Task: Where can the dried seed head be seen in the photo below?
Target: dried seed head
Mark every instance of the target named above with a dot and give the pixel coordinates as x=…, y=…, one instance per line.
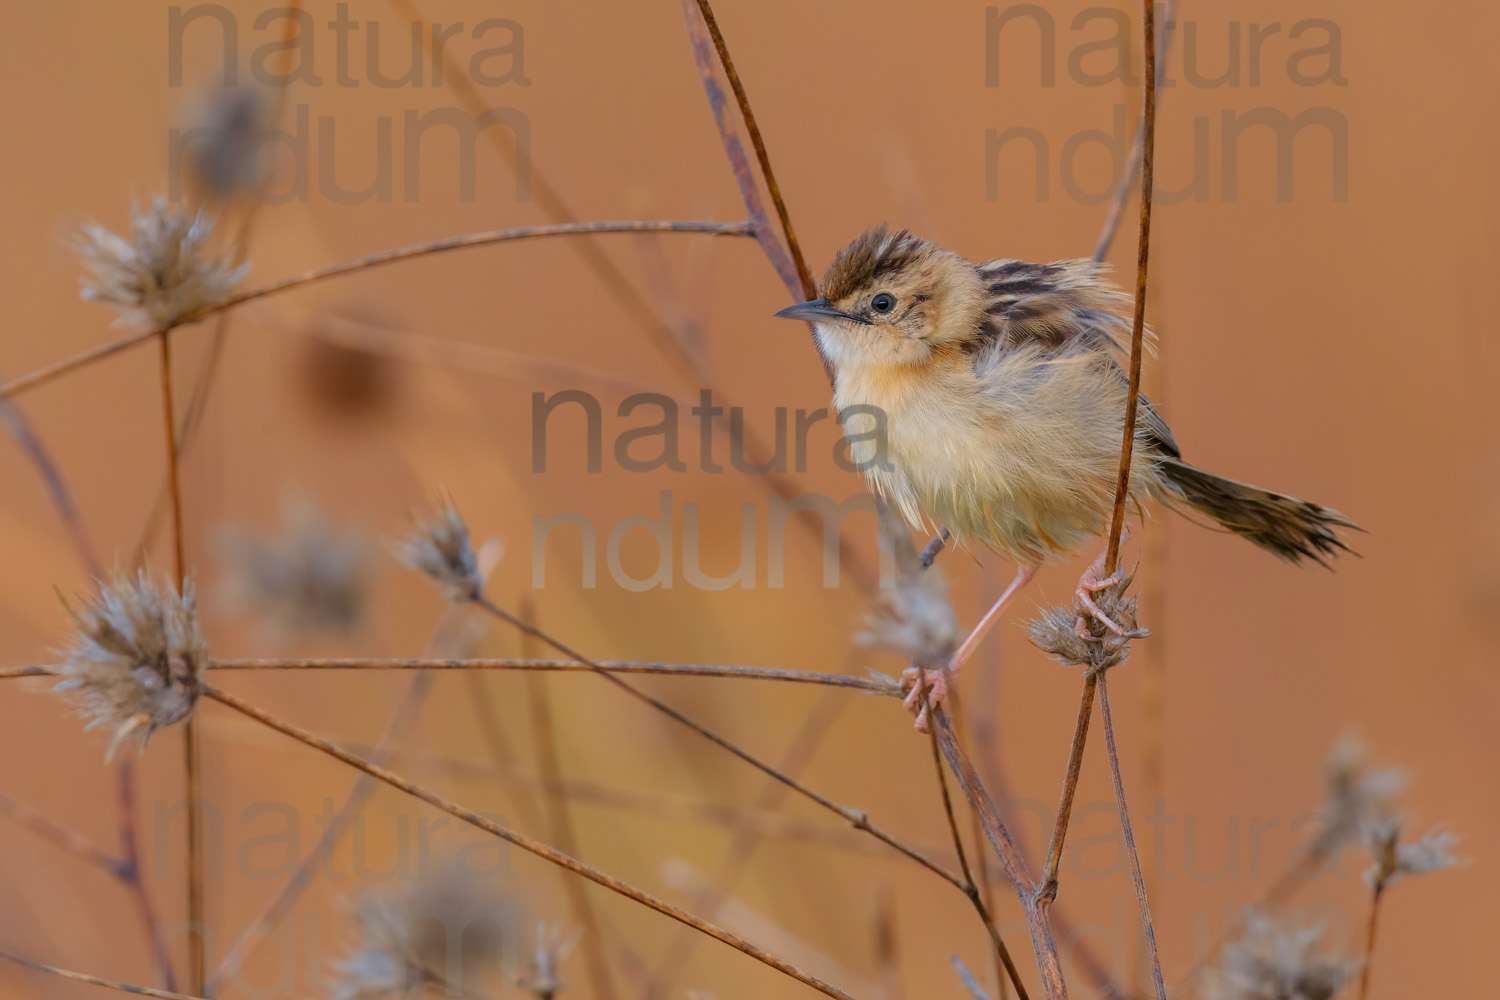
x=160, y=275
x=1272, y=962
x=440, y=548
x=542, y=979
x=1073, y=636
x=1356, y=798
x=911, y=618
x=311, y=579
x=447, y=932
x=1393, y=860
x=223, y=129
x=135, y=661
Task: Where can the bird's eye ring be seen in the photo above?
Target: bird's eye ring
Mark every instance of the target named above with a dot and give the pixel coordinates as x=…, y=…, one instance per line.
x=883, y=303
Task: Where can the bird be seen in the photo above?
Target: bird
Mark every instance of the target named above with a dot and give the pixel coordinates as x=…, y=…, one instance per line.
x=990, y=399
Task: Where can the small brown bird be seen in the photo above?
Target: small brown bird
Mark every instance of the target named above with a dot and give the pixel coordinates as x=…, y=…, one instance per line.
x=990, y=398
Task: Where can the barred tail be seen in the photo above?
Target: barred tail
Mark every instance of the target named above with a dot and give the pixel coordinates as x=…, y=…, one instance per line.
x=1284, y=526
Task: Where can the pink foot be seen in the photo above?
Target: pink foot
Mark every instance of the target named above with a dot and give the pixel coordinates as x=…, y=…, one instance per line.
x=928, y=689
x=1090, y=584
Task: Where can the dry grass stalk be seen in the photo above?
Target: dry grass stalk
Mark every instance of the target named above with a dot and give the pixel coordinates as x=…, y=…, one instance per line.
x=522, y=841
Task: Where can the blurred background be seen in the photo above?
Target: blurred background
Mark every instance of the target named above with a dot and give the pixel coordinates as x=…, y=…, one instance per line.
x=1319, y=293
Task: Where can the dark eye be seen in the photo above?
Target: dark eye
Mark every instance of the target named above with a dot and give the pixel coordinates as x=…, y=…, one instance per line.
x=883, y=303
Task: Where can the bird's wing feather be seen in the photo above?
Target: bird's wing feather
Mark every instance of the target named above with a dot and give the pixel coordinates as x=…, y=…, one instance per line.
x=1063, y=306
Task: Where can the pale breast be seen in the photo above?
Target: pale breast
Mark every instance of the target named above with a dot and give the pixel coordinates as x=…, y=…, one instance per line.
x=1021, y=459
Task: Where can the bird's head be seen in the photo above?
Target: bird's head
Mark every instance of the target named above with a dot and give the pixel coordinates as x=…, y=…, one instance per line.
x=893, y=298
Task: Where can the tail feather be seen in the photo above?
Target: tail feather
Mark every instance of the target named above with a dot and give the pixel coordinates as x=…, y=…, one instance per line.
x=1284, y=526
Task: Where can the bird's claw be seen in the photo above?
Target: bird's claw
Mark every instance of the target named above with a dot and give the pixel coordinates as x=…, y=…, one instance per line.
x=928, y=689
x=1090, y=584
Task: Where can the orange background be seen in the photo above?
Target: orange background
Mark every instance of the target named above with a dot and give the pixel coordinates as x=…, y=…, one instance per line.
x=1337, y=350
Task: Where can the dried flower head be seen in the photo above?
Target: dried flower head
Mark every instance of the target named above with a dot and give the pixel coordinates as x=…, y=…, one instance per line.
x=911, y=618
x=1356, y=798
x=163, y=273
x=135, y=661
x=447, y=932
x=1272, y=962
x=440, y=548
x=222, y=137
x=310, y=579
x=542, y=978
x=1073, y=636
x=1393, y=859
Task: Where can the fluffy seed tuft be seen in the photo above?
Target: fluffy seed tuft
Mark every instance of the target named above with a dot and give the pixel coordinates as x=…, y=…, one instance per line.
x=310, y=579
x=911, y=618
x=445, y=933
x=1393, y=860
x=1272, y=962
x=1075, y=637
x=440, y=548
x=135, y=662
x=1357, y=798
x=163, y=273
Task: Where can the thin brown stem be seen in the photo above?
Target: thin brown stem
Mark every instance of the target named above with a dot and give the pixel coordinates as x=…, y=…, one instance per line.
x=560, y=824
x=31, y=445
x=1043, y=938
x=520, y=840
x=74, y=843
x=1126, y=184
x=1048, y=886
x=1364, y=972
x=970, y=887
x=745, y=840
x=804, y=276
x=82, y=977
x=856, y=817
x=1143, y=256
x=1148, y=928
x=275, y=911
x=192, y=790
x=85, y=358
x=135, y=881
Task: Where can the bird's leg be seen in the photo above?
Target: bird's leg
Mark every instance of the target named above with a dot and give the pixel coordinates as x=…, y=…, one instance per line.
x=1090, y=584
x=936, y=682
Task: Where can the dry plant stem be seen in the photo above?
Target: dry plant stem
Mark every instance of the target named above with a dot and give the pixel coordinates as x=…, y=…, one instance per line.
x=745, y=840
x=522, y=841
x=85, y=358
x=560, y=825
x=81, y=977
x=1147, y=926
x=1048, y=885
x=804, y=277
x=31, y=445
x=968, y=979
x=135, y=881
x=856, y=817
x=970, y=887
x=1364, y=972
x=74, y=843
x=1043, y=939
x=570, y=666
x=1127, y=180
x=275, y=911
x=192, y=791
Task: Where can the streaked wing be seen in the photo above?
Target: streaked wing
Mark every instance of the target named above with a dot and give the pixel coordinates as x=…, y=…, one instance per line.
x=1067, y=304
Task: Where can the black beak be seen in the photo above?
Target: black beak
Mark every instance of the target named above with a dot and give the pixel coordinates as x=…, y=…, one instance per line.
x=812, y=311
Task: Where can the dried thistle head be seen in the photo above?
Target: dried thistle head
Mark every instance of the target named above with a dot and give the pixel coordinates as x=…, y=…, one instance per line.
x=312, y=578
x=440, y=548
x=162, y=273
x=911, y=618
x=1356, y=797
x=448, y=932
x=1273, y=962
x=1073, y=636
x=222, y=133
x=1429, y=853
x=542, y=978
x=134, y=664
